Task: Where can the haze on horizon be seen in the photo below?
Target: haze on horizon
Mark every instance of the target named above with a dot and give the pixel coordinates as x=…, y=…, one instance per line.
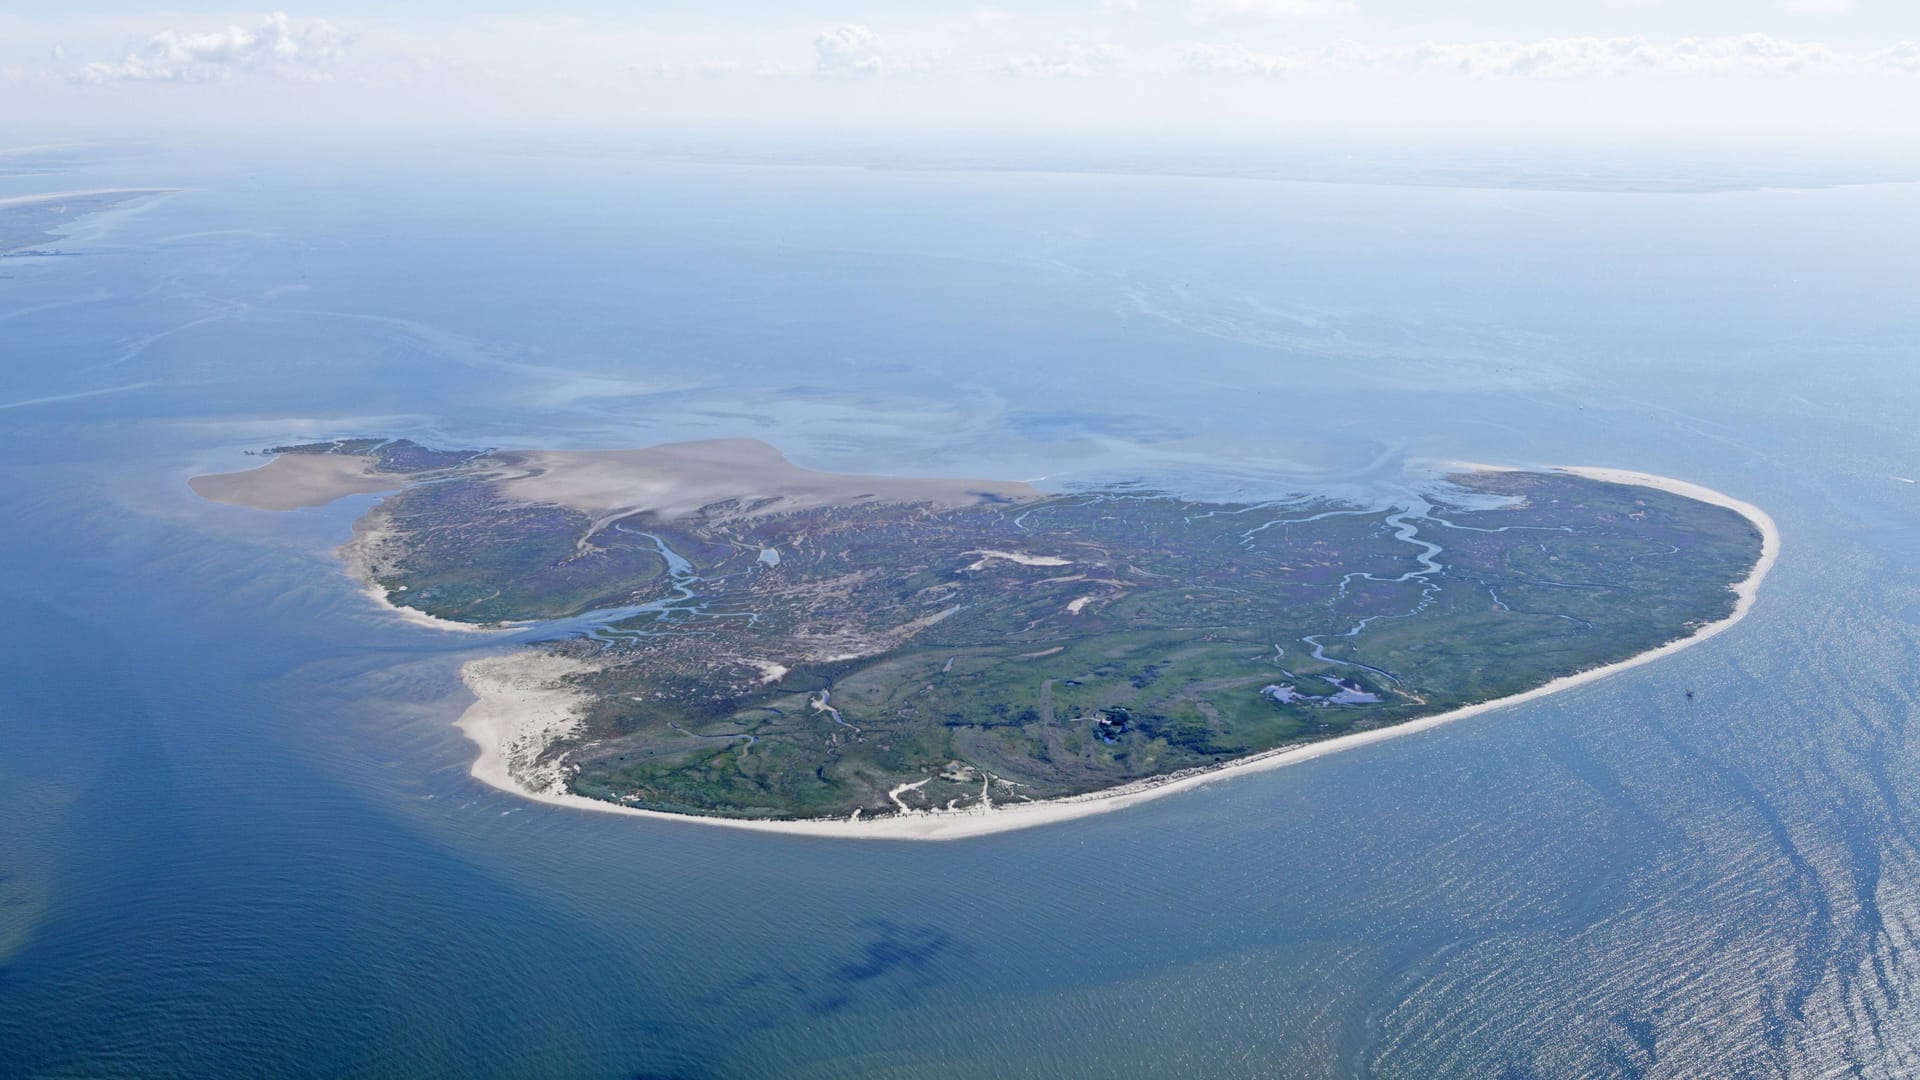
x=1760, y=72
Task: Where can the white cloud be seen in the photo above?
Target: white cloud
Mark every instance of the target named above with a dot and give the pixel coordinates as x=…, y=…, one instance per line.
x=950, y=71
x=849, y=49
x=1902, y=57
x=1073, y=62
x=1273, y=9
x=1238, y=60
x=853, y=49
x=280, y=46
x=1557, y=58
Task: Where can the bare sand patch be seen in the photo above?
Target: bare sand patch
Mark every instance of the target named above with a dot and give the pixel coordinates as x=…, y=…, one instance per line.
x=1019, y=557
x=293, y=481
x=523, y=706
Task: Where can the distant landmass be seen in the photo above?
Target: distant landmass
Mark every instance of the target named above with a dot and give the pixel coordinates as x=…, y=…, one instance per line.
x=730, y=636
x=28, y=222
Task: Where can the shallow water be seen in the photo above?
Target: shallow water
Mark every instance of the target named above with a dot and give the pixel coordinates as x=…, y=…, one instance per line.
x=242, y=840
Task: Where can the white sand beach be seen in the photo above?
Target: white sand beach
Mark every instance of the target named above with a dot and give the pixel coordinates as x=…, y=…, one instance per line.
x=524, y=709
x=520, y=700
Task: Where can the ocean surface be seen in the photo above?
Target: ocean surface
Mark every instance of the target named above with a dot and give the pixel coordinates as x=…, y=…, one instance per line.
x=239, y=835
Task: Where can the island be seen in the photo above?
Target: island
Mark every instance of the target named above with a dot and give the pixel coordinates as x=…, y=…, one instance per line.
x=705, y=629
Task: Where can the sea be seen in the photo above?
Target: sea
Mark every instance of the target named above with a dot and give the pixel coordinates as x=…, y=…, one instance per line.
x=240, y=838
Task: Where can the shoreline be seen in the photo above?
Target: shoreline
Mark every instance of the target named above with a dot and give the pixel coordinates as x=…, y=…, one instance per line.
x=417, y=617
x=358, y=557
x=486, y=721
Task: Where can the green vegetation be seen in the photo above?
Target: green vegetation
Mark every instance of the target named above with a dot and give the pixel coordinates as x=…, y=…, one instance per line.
x=472, y=556
x=814, y=662
x=389, y=455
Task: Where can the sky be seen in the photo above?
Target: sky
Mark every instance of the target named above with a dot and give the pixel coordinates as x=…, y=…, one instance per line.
x=1143, y=69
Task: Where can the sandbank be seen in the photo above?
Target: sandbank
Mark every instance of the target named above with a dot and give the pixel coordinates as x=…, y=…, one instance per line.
x=59, y=196
x=296, y=481
x=676, y=479
x=521, y=700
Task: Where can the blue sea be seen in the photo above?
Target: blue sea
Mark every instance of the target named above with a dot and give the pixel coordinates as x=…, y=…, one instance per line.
x=240, y=839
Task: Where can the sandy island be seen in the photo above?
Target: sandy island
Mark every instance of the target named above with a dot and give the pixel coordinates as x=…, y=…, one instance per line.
x=521, y=705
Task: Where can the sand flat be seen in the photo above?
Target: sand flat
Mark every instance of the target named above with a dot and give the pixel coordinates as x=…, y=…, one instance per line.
x=677, y=479
x=83, y=193
x=293, y=481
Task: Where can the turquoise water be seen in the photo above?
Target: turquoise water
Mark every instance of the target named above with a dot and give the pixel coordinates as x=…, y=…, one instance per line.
x=241, y=838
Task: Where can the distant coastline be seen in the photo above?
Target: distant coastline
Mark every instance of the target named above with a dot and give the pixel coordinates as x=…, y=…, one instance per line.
x=517, y=697
x=29, y=221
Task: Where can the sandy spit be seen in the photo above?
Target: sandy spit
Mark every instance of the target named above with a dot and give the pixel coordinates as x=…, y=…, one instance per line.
x=525, y=707
x=516, y=704
x=294, y=481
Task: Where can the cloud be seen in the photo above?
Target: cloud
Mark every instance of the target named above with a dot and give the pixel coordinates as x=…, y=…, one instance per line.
x=1238, y=60
x=848, y=49
x=853, y=49
x=280, y=46
x=1073, y=62
x=1273, y=9
x=1556, y=58
x=1902, y=57
x=1816, y=7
